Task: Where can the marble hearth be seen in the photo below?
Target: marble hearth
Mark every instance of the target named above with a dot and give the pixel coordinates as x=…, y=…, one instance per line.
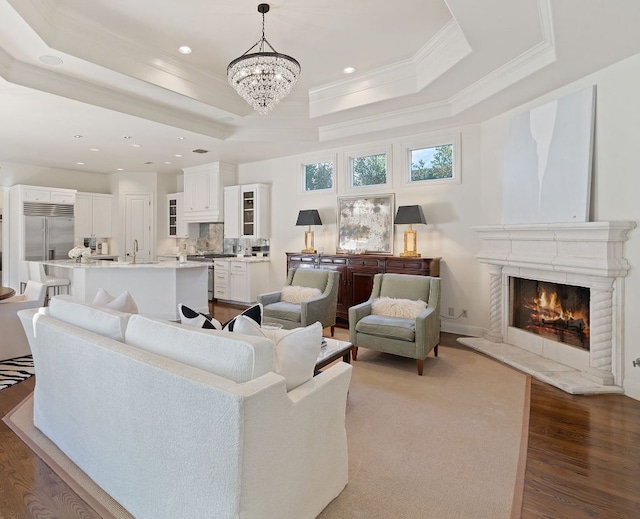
x=589, y=254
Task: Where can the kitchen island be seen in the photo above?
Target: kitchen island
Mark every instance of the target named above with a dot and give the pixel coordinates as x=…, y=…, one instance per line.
x=156, y=287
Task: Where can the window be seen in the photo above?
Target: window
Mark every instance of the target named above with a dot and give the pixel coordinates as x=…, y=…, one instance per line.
x=368, y=170
x=318, y=176
x=433, y=161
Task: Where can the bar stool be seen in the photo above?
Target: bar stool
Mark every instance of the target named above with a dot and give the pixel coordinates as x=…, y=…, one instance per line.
x=37, y=273
x=23, y=274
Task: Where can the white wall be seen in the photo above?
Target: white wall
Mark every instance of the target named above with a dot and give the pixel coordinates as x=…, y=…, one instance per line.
x=450, y=209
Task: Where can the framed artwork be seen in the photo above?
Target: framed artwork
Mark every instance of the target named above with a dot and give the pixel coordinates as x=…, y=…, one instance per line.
x=547, y=161
x=365, y=224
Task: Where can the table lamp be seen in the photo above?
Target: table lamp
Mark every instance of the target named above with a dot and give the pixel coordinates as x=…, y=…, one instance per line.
x=410, y=214
x=309, y=217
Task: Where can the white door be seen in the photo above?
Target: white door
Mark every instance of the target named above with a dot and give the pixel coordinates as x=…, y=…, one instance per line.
x=138, y=226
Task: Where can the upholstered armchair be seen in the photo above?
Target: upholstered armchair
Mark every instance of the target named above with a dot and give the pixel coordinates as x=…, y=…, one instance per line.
x=394, y=321
x=14, y=341
x=291, y=312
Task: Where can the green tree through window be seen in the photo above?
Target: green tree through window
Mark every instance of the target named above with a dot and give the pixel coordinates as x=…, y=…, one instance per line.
x=318, y=176
x=432, y=163
x=369, y=171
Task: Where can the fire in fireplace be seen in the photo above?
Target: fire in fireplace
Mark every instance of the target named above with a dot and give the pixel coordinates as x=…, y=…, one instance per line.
x=552, y=310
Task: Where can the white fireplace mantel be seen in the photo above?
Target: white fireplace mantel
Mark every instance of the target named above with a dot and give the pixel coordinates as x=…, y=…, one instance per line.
x=589, y=254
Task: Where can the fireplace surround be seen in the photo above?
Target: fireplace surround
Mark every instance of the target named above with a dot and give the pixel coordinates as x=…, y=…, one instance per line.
x=586, y=254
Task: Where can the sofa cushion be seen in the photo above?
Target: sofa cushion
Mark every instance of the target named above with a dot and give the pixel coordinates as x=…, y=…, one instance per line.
x=316, y=278
x=408, y=287
x=296, y=351
x=123, y=303
x=285, y=311
x=393, y=307
x=103, y=321
x=385, y=326
x=236, y=358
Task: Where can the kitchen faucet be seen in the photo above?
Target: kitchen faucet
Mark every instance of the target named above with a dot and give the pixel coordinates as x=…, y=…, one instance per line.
x=135, y=249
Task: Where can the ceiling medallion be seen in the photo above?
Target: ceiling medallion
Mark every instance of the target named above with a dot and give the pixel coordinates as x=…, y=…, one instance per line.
x=263, y=78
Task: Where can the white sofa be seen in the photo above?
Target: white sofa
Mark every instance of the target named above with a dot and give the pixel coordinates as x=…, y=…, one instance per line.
x=123, y=397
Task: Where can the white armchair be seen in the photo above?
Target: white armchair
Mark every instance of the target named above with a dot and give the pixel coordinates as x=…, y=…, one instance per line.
x=14, y=341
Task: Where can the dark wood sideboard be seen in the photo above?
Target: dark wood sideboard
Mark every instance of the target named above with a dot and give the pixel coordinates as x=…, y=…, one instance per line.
x=357, y=271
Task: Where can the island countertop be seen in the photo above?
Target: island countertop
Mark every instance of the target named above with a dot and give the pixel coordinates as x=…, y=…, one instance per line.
x=156, y=288
x=100, y=264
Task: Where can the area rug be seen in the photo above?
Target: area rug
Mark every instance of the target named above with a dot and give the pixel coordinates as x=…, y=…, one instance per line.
x=445, y=445
x=15, y=370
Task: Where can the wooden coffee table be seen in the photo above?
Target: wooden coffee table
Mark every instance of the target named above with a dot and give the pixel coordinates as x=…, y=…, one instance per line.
x=333, y=351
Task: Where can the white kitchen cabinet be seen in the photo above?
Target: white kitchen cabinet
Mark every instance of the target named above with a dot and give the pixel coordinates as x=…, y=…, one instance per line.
x=204, y=191
x=221, y=280
x=248, y=211
x=93, y=212
x=176, y=226
x=247, y=279
x=48, y=195
x=232, y=212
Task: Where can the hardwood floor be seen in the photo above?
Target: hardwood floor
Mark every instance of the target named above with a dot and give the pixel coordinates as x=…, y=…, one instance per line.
x=583, y=457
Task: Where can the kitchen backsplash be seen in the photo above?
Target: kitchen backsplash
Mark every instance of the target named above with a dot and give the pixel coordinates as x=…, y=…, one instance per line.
x=211, y=239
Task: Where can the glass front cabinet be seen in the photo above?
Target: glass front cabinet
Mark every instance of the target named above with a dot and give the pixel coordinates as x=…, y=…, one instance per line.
x=248, y=211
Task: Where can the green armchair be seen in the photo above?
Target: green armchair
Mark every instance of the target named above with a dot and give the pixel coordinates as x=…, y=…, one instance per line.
x=294, y=315
x=413, y=338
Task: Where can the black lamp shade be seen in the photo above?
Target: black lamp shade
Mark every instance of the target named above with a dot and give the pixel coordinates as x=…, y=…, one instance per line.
x=309, y=217
x=410, y=214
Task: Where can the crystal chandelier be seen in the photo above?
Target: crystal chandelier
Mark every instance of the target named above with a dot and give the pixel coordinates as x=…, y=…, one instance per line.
x=263, y=78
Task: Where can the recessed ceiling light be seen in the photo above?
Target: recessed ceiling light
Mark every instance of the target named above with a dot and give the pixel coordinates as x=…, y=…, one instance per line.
x=168, y=162
x=119, y=169
x=78, y=136
x=94, y=149
x=349, y=70
x=184, y=50
x=80, y=163
x=181, y=138
x=135, y=145
x=177, y=155
x=47, y=59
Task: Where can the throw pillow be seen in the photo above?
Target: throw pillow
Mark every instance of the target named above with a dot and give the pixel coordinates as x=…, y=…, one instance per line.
x=196, y=319
x=296, y=350
x=102, y=298
x=391, y=307
x=298, y=294
x=253, y=312
x=123, y=303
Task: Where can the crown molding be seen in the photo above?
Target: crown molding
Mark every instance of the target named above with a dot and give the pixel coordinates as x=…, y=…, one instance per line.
x=532, y=60
x=389, y=120
x=406, y=77
x=443, y=51
x=79, y=90
x=61, y=30
x=6, y=61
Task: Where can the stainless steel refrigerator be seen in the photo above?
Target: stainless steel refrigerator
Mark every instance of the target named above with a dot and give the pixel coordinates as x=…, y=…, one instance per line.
x=48, y=231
